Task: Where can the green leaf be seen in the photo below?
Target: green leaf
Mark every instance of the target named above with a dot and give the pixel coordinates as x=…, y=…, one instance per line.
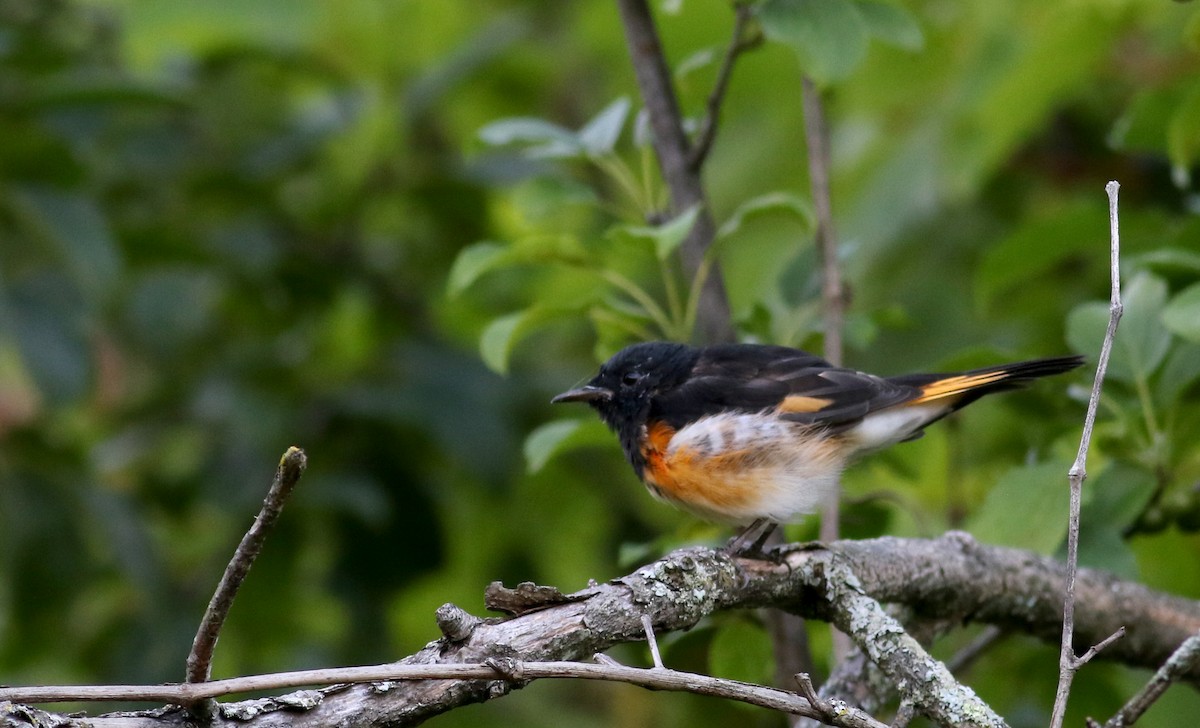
x=1027, y=508
x=828, y=36
x=498, y=338
x=559, y=436
x=74, y=225
x=1141, y=342
x=502, y=334
x=666, y=237
x=1118, y=495
x=1104, y=548
x=891, y=24
x=1179, y=372
x=544, y=139
x=546, y=440
x=741, y=650
x=1182, y=314
x=472, y=262
x=599, y=136
x=1168, y=260
x=1086, y=324
x=1114, y=500
x=694, y=62
x=174, y=307
x=1037, y=247
x=1183, y=136
x=1142, y=336
x=45, y=316
x=770, y=202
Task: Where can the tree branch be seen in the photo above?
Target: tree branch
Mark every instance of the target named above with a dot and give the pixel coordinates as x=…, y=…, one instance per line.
x=949, y=578
x=674, y=153
x=743, y=11
x=1176, y=667
x=816, y=139
x=1068, y=663
x=199, y=660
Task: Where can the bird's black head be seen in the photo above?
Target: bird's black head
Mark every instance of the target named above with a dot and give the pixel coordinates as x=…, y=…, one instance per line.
x=627, y=383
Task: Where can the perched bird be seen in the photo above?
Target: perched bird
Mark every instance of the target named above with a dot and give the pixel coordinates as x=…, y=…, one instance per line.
x=759, y=435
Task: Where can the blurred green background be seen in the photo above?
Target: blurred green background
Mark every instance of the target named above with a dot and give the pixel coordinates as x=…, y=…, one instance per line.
x=230, y=227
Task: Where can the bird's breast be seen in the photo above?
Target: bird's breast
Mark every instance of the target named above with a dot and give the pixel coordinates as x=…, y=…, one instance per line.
x=737, y=467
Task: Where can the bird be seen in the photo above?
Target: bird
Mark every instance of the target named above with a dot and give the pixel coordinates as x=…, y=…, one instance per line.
x=756, y=435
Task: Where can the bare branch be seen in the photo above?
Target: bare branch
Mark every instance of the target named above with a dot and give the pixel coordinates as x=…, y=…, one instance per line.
x=816, y=139
x=949, y=578
x=922, y=680
x=833, y=313
x=972, y=651
x=1174, y=669
x=674, y=154
x=657, y=678
x=1096, y=649
x=708, y=127
x=652, y=641
x=1068, y=663
x=199, y=661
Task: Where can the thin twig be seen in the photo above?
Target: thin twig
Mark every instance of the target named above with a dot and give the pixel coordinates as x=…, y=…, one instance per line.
x=972, y=651
x=673, y=149
x=816, y=139
x=1097, y=648
x=1018, y=589
x=652, y=641
x=712, y=112
x=789, y=639
x=1068, y=663
x=199, y=661
x=809, y=691
x=1171, y=671
x=657, y=678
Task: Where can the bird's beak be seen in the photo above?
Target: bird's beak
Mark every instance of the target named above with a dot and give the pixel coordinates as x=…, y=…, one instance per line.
x=586, y=393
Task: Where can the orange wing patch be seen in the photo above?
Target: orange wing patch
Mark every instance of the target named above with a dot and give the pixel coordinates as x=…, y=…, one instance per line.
x=799, y=403
x=951, y=386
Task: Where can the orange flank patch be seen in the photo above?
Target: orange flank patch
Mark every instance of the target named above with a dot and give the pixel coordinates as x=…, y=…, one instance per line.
x=711, y=484
x=951, y=386
x=800, y=403
x=736, y=467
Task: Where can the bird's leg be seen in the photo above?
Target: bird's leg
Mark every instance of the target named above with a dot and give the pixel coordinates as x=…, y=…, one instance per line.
x=740, y=545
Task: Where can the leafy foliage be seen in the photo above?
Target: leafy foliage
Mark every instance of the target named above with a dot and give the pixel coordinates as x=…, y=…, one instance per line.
x=227, y=230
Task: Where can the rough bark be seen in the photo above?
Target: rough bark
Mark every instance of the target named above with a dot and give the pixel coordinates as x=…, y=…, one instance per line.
x=949, y=578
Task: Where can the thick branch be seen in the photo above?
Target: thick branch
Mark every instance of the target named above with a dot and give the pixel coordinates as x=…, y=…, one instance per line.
x=947, y=578
x=674, y=157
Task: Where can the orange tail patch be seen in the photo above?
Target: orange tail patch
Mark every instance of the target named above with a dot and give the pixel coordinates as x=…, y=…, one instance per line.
x=952, y=386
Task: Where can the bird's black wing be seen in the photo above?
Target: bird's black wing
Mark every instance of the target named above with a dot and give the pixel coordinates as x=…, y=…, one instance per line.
x=801, y=386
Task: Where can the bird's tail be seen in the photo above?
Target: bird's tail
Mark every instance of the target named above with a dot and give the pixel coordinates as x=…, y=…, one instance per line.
x=959, y=390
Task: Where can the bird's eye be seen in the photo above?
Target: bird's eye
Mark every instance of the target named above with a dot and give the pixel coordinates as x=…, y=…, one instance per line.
x=631, y=378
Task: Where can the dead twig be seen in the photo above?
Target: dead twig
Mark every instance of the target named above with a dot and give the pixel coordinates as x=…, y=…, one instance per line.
x=1068, y=663
x=712, y=111
x=1171, y=671
x=199, y=660
x=656, y=678
x=652, y=641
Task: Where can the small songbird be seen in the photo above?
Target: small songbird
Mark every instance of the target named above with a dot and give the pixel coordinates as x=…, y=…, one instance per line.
x=759, y=435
